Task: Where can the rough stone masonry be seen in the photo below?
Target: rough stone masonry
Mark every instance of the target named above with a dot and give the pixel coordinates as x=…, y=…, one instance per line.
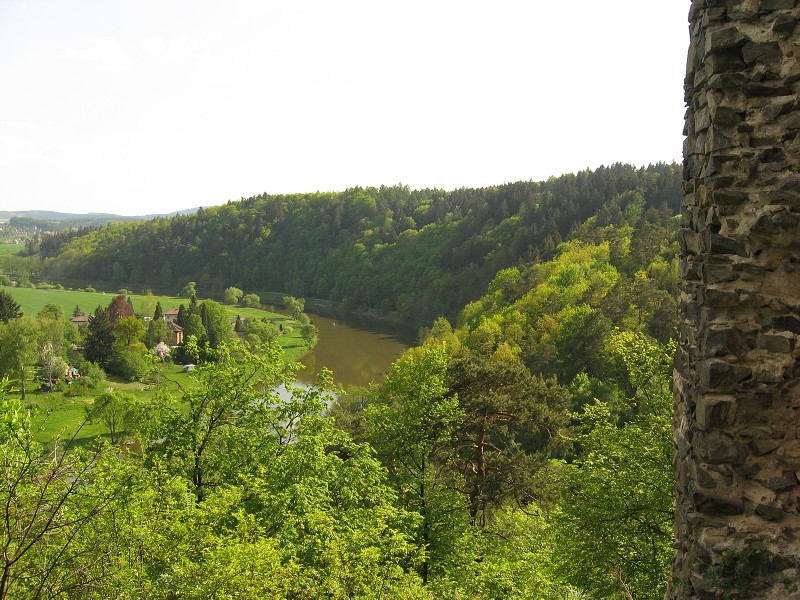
x=737, y=373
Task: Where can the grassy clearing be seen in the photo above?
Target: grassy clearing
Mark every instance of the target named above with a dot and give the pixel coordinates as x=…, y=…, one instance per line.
x=58, y=416
x=11, y=249
x=55, y=416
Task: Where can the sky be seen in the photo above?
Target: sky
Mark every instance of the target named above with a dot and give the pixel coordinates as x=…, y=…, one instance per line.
x=138, y=107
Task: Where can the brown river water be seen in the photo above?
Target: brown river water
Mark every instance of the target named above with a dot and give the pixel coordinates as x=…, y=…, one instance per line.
x=358, y=353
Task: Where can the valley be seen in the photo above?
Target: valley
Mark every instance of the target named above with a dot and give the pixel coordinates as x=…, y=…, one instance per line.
x=503, y=447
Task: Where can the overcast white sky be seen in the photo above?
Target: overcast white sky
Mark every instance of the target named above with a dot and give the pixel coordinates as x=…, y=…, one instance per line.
x=151, y=106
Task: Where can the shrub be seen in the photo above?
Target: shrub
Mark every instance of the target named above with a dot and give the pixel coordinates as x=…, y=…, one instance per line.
x=92, y=374
x=251, y=300
x=128, y=364
x=76, y=388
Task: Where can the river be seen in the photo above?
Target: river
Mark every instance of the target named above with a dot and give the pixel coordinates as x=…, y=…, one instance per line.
x=357, y=352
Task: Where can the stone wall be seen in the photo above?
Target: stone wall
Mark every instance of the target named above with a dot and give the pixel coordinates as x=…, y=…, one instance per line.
x=737, y=374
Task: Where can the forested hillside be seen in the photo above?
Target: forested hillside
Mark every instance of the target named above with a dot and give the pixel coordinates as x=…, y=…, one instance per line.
x=551, y=394
x=417, y=253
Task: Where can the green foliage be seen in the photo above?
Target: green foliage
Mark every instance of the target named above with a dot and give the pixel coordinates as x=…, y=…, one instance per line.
x=416, y=253
x=19, y=349
x=128, y=331
x=328, y=501
x=233, y=295
x=50, y=496
x=508, y=560
x=512, y=421
x=98, y=344
x=131, y=364
x=189, y=290
x=615, y=520
x=156, y=332
x=92, y=374
x=52, y=311
x=522, y=454
x=9, y=309
x=739, y=569
x=251, y=300
x=117, y=410
x=295, y=306
x=263, y=331
x=309, y=334
x=211, y=433
x=412, y=424
x=195, y=328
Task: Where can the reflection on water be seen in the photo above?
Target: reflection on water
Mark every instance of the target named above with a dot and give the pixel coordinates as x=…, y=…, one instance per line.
x=355, y=354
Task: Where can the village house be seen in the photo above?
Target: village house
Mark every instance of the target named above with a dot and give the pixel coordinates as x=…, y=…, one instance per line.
x=176, y=331
x=81, y=321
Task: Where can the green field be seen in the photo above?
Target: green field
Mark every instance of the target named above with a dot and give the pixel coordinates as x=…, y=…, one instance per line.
x=57, y=416
x=10, y=248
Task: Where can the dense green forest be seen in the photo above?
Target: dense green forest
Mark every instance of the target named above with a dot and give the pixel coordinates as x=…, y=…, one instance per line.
x=417, y=253
x=521, y=451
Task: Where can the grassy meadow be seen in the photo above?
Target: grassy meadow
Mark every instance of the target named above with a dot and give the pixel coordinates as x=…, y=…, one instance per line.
x=56, y=415
x=59, y=416
x=11, y=248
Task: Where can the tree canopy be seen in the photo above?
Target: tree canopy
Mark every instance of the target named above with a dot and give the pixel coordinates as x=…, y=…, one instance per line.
x=418, y=254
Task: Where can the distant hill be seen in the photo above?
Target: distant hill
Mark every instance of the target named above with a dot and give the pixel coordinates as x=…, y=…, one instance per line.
x=86, y=218
x=411, y=254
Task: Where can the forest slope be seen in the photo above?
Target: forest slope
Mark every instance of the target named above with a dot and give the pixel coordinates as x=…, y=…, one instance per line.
x=416, y=253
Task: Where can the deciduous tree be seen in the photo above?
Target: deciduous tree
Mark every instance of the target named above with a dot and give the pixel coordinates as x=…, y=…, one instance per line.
x=214, y=429
x=295, y=306
x=233, y=295
x=189, y=290
x=49, y=497
x=128, y=331
x=19, y=347
x=615, y=522
x=251, y=300
x=413, y=422
x=118, y=410
x=119, y=308
x=52, y=363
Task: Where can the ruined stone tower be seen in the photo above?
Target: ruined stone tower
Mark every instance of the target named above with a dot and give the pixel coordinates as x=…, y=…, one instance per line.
x=737, y=377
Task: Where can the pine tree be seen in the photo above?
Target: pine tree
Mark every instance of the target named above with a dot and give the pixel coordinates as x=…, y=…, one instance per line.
x=99, y=343
x=182, y=317
x=9, y=309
